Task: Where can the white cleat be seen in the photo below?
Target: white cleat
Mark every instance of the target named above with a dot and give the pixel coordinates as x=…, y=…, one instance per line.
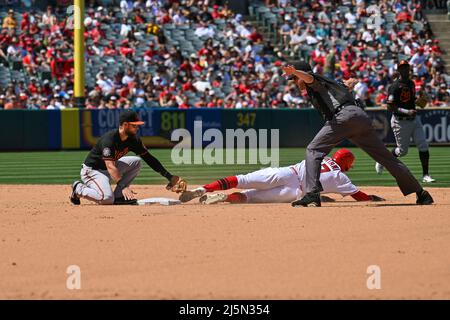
x=188, y=195
x=213, y=198
x=379, y=168
x=428, y=179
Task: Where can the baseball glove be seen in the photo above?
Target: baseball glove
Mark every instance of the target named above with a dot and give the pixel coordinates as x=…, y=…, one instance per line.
x=376, y=198
x=422, y=100
x=177, y=185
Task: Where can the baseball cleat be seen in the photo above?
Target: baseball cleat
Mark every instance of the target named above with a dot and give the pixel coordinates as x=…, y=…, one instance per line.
x=74, y=198
x=122, y=201
x=213, y=198
x=379, y=168
x=424, y=198
x=309, y=200
x=188, y=195
x=428, y=179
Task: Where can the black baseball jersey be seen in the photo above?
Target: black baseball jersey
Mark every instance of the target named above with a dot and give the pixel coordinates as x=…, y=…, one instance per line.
x=111, y=147
x=402, y=94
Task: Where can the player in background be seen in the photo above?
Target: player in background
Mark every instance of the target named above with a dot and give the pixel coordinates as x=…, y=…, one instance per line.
x=282, y=185
x=404, y=122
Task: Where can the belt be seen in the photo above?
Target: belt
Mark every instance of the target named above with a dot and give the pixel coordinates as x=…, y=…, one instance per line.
x=342, y=106
x=404, y=117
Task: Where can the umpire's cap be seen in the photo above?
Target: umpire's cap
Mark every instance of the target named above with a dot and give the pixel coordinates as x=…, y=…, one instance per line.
x=302, y=66
x=130, y=116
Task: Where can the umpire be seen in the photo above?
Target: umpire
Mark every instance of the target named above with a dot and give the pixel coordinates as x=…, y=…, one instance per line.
x=344, y=120
x=404, y=122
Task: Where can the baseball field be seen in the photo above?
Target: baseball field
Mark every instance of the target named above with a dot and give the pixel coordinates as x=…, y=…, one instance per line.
x=344, y=249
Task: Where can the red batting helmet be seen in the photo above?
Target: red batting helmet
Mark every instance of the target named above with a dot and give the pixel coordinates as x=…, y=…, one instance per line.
x=344, y=158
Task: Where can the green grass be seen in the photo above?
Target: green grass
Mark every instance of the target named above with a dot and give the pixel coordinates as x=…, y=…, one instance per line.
x=63, y=167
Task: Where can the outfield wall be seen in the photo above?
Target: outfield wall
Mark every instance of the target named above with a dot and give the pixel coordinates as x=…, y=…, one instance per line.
x=79, y=129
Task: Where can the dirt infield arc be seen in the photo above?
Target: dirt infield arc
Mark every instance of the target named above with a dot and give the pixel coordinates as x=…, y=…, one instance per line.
x=223, y=251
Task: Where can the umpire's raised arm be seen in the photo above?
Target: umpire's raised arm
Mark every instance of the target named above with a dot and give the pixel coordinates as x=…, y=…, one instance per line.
x=304, y=76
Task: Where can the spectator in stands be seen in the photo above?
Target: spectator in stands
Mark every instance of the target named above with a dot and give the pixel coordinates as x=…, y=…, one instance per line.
x=48, y=18
x=9, y=22
x=126, y=6
x=285, y=31
x=2, y=101
x=11, y=103
x=361, y=90
x=105, y=84
x=442, y=96
x=14, y=51
x=381, y=97
x=204, y=30
x=224, y=58
x=418, y=61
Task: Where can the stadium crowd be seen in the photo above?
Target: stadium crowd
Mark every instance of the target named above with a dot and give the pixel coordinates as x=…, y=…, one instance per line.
x=231, y=64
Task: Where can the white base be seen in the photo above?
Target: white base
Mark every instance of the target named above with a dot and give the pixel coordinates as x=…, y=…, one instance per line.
x=163, y=201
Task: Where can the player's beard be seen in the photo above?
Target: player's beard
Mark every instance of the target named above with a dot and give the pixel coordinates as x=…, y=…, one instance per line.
x=129, y=133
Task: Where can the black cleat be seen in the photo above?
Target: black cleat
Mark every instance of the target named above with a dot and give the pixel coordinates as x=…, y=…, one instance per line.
x=424, y=198
x=122, y=201
x=74, y=198
x=309, y=200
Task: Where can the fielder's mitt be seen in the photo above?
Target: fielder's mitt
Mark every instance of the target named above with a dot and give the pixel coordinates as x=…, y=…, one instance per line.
x=422, y=100
x=177, y=185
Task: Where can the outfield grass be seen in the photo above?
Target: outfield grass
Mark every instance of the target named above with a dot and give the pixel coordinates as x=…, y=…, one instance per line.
x=63, y=167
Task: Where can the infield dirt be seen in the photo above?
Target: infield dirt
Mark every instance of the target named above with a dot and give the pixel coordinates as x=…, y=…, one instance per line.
x=192, y=251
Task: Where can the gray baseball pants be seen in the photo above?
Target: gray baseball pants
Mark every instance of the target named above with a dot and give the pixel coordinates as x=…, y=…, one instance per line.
x=404, y=130
x=96, y=183
x=354, y=124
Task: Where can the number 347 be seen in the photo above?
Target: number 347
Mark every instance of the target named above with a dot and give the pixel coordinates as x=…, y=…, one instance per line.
x=246, y=119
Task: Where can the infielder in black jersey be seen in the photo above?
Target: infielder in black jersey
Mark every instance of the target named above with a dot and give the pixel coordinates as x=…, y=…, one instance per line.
x=404, y=122
x=106, y=161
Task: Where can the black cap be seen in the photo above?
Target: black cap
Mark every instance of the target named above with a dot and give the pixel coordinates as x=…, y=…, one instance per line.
x=403, y=64
x=302, y=66
x=131, y=117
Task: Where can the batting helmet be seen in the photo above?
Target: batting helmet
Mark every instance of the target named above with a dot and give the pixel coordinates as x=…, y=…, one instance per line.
x=344, y=158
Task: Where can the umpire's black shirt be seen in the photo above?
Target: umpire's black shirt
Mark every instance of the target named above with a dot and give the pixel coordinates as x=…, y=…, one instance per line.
x=328, y=95
x=111, y=147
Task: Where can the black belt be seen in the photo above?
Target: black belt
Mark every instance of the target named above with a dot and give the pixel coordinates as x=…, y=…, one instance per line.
x=404, y=117
x=342, y=106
